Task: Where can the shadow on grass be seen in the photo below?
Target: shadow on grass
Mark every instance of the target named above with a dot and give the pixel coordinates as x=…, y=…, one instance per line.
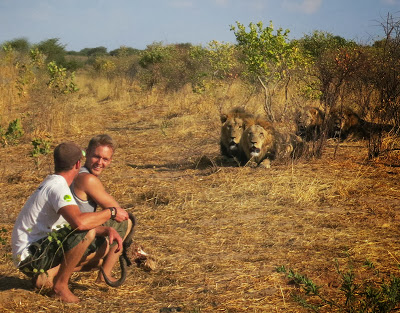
x=200, y=163
x=10, y=282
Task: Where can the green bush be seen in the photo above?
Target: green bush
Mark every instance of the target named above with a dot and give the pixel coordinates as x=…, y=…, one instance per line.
x=376, y=294
x=40, y=147
x=13, y=133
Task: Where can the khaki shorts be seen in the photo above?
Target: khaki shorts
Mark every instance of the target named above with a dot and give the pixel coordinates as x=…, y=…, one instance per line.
x=48, y=252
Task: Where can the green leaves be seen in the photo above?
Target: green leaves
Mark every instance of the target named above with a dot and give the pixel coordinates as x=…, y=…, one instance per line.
x=13, y=133
x=369, y=295
x=41, y=146
x=154, y=54
x=264, y=51
x=268, y=56
x=61, y=82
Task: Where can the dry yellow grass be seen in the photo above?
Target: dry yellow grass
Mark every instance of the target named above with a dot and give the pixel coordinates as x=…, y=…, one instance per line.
x=217, y=231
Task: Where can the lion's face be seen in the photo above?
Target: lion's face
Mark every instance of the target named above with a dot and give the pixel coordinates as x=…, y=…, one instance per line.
x=309, y=117
x=257, y=142
x=344, y=121
x=231, y=132
x=349, y=120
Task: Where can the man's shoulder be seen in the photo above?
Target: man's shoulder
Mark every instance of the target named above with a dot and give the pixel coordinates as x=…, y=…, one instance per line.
x=85, y=176
x=55, y=188
x=83, y=180
x=55, y=183
x=83, y=169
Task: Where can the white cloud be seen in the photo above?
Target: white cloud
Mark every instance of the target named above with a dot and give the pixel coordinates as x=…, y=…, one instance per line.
x=306, y=6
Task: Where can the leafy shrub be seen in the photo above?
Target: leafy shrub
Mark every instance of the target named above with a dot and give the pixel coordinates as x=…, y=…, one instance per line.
x=13, y=134
x=40, y=147
x=378, y=296
x=60, y=81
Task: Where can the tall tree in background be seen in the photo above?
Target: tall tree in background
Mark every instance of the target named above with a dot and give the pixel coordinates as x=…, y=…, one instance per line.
x=387, y=78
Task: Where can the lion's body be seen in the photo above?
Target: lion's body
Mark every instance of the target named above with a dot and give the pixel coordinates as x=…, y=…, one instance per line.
x=345, y=123
x=290, y=145
x=309, y=122
x=261, y=143
x=349, y=125
x=233, y=124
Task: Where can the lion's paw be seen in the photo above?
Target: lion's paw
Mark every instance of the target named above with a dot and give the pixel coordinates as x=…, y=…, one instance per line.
x=265, y=164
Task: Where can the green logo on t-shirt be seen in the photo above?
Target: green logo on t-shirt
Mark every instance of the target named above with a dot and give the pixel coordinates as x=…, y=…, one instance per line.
x=67, y=198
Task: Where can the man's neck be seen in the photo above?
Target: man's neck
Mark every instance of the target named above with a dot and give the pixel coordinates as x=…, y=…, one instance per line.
x=68, y=176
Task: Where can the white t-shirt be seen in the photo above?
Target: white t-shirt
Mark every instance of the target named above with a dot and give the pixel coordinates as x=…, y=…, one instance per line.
x=40, y=214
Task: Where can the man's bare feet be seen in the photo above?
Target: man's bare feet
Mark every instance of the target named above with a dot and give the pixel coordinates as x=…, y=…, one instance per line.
x=65, y=295
x=43, y=281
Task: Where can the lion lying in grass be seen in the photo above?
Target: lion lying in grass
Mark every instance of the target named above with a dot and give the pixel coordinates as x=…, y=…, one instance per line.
x=233, y=124
x=349, y=125
x=309, y=121
x=261, y=143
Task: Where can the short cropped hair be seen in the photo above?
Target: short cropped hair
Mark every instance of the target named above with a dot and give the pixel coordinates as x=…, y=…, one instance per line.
x=66, y=154
x=101, y=140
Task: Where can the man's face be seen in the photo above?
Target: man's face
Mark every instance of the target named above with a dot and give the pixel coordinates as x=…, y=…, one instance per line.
x=98, y=159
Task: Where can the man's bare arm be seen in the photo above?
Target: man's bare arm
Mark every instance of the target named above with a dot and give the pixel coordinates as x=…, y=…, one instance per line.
x=94, y=189
x=86, y=221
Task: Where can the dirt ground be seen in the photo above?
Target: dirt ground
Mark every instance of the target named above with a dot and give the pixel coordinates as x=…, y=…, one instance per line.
x=218, y=231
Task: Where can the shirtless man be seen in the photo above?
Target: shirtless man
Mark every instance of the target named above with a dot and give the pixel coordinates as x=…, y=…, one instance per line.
x=89, y=192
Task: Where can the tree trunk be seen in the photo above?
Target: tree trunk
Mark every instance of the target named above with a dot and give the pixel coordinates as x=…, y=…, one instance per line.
x=267, y=104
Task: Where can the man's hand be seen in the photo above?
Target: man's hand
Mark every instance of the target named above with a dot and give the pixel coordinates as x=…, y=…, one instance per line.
x=112, y=236
x=122, y=215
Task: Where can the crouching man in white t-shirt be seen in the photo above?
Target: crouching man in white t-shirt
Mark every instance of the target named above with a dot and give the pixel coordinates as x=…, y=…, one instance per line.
x=49, y=254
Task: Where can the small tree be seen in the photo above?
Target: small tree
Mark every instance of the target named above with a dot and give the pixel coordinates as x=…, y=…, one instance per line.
x=61, y=82
x=152, y=60
x=54, y=51
x=267, y=55
x=387, y=78
x=211, y=64
x=19, y=44
x=124, y=51
x=334, y=62
x=95, y=52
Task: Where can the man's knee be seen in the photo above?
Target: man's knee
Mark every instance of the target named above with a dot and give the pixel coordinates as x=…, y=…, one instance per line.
x=129, y=228
x=91, y=235
x=82, y=239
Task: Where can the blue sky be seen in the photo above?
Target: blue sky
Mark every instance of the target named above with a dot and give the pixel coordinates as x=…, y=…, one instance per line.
x=113, y=23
